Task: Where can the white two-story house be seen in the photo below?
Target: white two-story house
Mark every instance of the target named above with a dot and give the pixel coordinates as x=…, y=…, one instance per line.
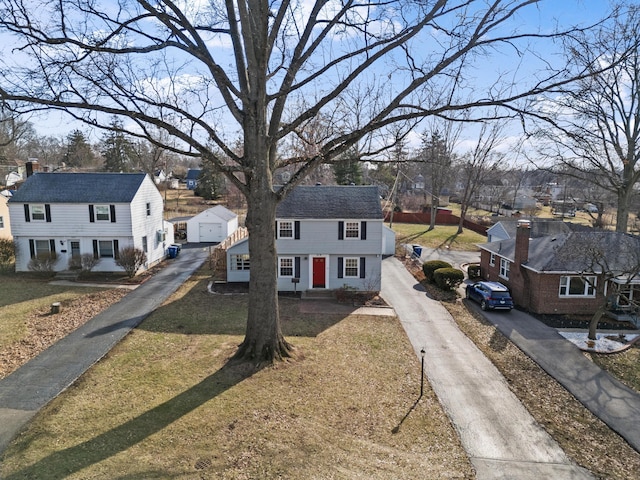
x=328, y=237
x=66, y=215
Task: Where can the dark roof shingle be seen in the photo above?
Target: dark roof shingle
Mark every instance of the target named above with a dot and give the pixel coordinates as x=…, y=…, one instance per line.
x=333, y=202
x=44, y=187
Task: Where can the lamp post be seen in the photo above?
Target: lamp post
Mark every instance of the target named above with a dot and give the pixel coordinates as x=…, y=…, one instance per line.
x=422, y=352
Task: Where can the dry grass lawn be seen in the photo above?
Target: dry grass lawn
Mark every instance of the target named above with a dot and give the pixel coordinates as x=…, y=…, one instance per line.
x=165, y=403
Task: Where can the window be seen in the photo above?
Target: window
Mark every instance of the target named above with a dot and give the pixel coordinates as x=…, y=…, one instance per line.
x=42, y=248
x=504, y=268
x=285, y=229
x=352, y=229
x=285, y=266
x=1, y=222
x=145, y=246
x=102, y=212
x=573, y=286
x=38, y=212
x=148, y=209
x=105, y=248
x=351, y=267
x=492, y=259
x=240, y=262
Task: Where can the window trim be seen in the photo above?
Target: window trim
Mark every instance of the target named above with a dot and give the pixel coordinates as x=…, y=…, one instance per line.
x=505, y=266
x=492, y=259
x=589, y=290
x=347, y=224
x=282, y=260
x=291, y=230
x=347, y=260
x=98, y=213
x=242, y=260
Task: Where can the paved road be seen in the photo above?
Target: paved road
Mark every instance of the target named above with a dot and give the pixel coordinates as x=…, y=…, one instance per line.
x=501, y=438
x=36, y=383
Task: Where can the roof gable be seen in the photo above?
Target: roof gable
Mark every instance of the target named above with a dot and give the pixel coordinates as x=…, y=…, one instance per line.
x=332, y=202
x=44, y=187
x=218, y=211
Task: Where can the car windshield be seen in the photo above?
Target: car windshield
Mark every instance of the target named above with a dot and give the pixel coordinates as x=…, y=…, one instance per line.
x=500, y=294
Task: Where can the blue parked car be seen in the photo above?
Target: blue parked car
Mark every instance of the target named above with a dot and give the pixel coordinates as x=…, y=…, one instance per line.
x=490, y=295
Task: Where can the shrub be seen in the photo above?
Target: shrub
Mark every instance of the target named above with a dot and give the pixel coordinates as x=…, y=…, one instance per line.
x=7, y=254
x=431, y=266
x=131, y=259
x=474, y=271
x=448, y=278
x=88, y=261
x=42, y=263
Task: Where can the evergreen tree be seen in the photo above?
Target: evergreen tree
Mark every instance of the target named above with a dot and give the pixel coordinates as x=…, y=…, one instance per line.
x=78, y=150
x=348, y=169
x=116, y=149
x=210, y=184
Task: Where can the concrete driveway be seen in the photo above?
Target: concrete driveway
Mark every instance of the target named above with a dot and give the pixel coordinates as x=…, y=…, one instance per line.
x=501, y=438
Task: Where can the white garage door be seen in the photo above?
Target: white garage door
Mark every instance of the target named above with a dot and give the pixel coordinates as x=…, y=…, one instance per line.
x=210, y=232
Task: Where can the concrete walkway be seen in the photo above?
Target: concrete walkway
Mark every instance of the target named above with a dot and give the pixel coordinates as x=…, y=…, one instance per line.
x=501, y=438
x=36, y=383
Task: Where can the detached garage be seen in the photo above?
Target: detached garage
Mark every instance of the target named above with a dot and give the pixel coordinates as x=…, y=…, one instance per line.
x=211, y=226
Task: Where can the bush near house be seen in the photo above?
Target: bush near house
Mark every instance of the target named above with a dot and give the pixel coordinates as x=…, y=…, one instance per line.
x=428, y=268
x=131, y=259
x=448, y=278
x=7, y=254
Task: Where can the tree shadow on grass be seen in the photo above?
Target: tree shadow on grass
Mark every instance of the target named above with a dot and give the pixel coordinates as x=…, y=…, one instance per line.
x=105, y=445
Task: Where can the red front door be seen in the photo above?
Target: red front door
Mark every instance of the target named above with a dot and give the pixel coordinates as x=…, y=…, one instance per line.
x=319, y=280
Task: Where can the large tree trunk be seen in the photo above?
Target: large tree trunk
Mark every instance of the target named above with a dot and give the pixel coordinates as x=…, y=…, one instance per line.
x=264, y=341
x=593, y=323
x=622, y=213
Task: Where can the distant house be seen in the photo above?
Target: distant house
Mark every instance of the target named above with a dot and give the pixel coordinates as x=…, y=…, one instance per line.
x=212, y=225
x=328, y=237
x=67, y=215
x=505, y=229
x=192, y=178
x=5, y=224
x=548, y=274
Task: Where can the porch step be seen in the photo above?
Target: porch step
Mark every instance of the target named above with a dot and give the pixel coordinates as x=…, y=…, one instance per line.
x=67, y=275
x=318, y=295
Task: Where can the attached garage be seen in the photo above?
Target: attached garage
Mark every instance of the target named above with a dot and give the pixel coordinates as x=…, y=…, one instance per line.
x=212, y=226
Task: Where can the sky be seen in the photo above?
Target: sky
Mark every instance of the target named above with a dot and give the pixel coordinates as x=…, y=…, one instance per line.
x=545, y=17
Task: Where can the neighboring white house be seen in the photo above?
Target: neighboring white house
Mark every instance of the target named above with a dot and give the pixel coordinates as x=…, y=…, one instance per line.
x=328, y=237
x=212, y=225
x=5, y=224
x=66, y=215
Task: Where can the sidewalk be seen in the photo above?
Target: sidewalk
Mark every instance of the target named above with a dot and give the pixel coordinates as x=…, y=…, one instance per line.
x=501, y=438
x=36, y=383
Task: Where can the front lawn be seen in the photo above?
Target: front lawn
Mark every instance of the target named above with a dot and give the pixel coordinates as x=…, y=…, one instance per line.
x=165, y=403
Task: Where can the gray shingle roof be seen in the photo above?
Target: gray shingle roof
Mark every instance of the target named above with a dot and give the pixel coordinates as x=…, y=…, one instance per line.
x=570, y=252
x=44, y=187
x=333, y=202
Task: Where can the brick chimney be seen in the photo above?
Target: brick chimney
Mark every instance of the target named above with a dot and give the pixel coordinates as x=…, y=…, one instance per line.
x=523, y=232
x=32, y=166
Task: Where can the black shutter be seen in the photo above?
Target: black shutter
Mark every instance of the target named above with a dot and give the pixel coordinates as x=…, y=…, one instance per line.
x=363, y=269
x=340, y=267
x=363, y=230
x=92, y=218
x=297, y=267
x=27, y=216
x=52, y=248
x=112, y=210
x=340, y=230
x=296, y=230
x=277, y=231
x=47, y=212
x=116, y=250
x=32, y=247
x=96, y=254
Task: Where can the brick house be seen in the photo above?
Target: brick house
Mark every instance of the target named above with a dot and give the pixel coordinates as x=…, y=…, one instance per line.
x=553, y=274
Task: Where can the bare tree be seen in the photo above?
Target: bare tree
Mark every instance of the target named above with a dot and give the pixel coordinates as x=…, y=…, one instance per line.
x=208, y=72
x=478, y=165
x=597, y=123
x=609, y=262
